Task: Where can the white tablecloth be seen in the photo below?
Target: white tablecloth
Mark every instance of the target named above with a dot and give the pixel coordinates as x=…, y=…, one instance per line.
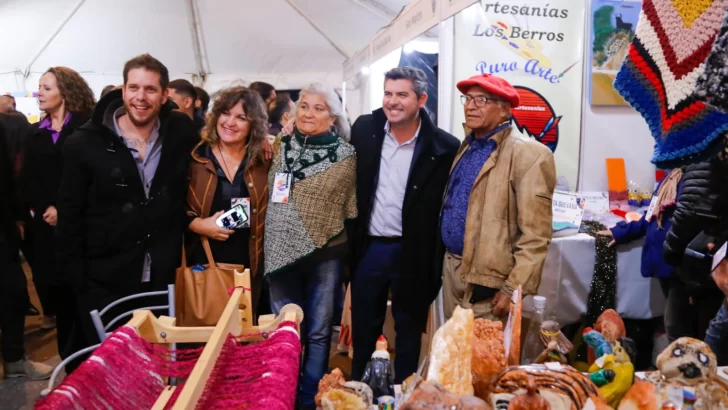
x=568, y=272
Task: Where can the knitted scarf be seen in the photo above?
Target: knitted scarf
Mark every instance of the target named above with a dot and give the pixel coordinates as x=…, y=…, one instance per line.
x=658, y=78
x=322, y=197
x=667, y=194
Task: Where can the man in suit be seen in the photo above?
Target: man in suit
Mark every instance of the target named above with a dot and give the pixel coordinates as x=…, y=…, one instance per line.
x=121, y=202
x=403, y=162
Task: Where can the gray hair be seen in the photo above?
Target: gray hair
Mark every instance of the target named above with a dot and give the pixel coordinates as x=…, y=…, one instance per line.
x=336, y=108
x=417, y=76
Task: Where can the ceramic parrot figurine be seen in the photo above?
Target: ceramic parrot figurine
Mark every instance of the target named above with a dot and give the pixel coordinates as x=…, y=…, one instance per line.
x=619, y=362
x=596, y=341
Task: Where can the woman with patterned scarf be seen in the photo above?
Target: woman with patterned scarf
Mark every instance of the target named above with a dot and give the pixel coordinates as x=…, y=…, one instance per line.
x=313, y=193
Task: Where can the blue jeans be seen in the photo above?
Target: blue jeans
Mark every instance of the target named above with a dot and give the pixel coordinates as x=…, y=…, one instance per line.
x=310, y=284
x=717, y=336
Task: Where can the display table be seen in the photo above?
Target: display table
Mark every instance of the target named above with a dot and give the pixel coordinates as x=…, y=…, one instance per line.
x=568, y=272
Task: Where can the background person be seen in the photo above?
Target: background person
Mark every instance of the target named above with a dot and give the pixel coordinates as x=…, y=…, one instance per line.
x=266, y=91
x=13, y=286
x=202, y=103
x=106, y=90
x=280, y=112
x=183, y=93
x=67, y=100
x=692, y=304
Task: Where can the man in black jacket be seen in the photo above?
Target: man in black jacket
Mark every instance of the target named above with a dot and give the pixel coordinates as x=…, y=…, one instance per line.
x=16, y=127
x=693, y=298
x=122, y=196
x=403, y=163
x=13, y=285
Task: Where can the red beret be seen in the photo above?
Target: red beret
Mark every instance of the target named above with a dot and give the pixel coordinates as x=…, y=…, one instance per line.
x=494, y=85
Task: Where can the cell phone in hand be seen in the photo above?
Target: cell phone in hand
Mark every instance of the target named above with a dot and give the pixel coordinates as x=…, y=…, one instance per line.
x=232, y=219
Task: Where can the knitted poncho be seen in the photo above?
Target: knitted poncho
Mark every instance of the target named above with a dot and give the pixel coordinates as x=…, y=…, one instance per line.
x=658, y=78
x=322, y=197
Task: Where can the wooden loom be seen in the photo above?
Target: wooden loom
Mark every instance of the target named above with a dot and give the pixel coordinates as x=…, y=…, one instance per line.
x=236, y=319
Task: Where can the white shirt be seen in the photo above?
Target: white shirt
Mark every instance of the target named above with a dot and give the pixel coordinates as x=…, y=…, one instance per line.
x=394, y=169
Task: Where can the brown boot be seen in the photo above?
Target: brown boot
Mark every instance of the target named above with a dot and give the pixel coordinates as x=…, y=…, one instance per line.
x=29, y=369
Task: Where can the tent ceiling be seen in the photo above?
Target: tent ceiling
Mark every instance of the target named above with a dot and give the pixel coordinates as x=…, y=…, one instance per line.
x=237, y=37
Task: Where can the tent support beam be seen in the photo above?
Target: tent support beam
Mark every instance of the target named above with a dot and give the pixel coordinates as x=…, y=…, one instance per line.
x=376, y=8
x=317, y=28
x=200, y=51
x=65, y=21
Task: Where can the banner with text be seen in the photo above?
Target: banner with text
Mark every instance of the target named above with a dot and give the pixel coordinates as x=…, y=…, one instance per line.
x=539, y=49
x=418, y=17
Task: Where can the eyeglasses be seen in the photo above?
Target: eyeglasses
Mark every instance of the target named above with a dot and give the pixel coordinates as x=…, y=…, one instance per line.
x=479, y=100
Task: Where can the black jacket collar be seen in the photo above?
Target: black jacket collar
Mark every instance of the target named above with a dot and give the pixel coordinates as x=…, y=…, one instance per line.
x=428, y=131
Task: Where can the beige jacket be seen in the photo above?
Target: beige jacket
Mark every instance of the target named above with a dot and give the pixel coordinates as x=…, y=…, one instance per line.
x=508, y=225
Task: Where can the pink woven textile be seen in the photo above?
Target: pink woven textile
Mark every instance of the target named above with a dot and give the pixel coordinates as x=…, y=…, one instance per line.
x=261, y=375
x=126, y=373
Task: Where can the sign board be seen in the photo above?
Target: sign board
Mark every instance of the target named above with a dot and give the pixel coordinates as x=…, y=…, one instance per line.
x=354, y=65
x=453, y=7
x=416, y=19
x=568, y=211
x=539, y=49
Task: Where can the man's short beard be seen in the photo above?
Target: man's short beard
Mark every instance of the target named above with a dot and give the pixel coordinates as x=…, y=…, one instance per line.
x=136, y=123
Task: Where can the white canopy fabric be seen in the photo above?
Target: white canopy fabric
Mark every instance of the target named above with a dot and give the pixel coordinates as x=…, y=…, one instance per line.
x=214, y=43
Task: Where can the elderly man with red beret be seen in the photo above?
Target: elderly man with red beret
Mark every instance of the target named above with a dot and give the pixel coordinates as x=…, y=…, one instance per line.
x=496, y=219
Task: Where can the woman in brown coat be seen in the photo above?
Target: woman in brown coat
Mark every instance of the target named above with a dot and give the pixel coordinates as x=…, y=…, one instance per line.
x=229, y=167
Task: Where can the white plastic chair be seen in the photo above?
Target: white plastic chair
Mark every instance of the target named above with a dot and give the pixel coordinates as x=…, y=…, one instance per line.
x=101, y=329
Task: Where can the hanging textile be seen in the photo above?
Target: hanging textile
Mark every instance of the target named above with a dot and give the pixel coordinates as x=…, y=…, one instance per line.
x=658, y=78
x=603, y=292
x=712, y=85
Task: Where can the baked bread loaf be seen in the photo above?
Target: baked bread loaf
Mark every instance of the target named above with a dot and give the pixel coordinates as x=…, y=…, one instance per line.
x=336, y=381
x=489, y=356
x=452, y=352
x=431, y=396
x=337, y=399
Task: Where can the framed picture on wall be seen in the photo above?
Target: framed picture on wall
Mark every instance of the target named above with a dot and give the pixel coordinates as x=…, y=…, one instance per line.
x=612, y=27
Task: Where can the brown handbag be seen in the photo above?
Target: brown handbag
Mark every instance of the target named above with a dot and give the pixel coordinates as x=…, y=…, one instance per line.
x=200, y=297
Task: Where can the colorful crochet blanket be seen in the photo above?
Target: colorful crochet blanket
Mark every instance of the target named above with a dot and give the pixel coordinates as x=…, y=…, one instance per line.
x=712, y=85
x=658, y=78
